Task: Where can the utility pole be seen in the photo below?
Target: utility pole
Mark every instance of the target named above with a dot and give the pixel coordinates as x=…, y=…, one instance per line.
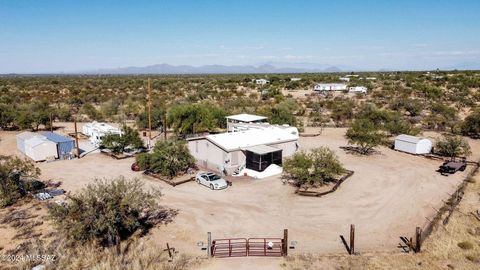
x=149, y=111
x=165, y=125
x=76, y=137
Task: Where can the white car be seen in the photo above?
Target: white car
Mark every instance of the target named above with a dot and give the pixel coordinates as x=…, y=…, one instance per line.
x=211, y=180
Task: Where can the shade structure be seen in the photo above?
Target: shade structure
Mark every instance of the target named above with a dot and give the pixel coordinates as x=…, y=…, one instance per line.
x=259, y=157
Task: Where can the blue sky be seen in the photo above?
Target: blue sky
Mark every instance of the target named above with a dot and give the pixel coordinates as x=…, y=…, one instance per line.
x=67, y=35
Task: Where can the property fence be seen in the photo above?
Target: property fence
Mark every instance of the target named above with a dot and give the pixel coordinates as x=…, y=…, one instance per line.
x=443, y=215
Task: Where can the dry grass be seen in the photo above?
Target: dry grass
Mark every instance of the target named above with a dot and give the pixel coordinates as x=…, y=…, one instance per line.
x=454, y=246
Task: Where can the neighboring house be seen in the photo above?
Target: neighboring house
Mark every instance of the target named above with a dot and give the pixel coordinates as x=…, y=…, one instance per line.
x=96, y=131
x=237, y=122
x=65, y=145
x=295, y=79
x=262, y=81
x=358, y=89
x=36, y=146
x=330, y=87
x=413, y=145
x=255, y=148
x=344, y=79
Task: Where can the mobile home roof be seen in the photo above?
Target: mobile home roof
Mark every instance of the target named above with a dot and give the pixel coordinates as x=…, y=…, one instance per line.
x=232, y=141
x=245, y=117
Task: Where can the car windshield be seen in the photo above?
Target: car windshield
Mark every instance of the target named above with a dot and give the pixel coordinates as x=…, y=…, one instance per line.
x=214, y=177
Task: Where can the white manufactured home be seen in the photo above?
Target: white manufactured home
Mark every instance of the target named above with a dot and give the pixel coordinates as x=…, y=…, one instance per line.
x=413, y=145
x=96, y=131
x=358, y=89
x=330, y=87
x=261, y=81
x=255, y=148
x=344, y=79
x=36, y=146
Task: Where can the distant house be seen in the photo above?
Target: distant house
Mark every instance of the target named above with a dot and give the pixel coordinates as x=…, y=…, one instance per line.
x=344, y=79
x=241, y=121
x=358, y=89
x=371, y=78
x=412, y=144
x=352, y=75
x=96, y=131
x=261, y=81
x=295, y=79
x=330, y=87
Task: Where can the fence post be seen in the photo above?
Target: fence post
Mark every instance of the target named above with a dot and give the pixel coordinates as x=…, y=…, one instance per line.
x=209, y=244
x=285, y=242
x=352, y=239
x=418, y=239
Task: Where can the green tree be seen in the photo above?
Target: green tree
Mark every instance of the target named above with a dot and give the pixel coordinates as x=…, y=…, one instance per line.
x=365, y=134
x=158, y=113
x=7, y=116
x=196, y=118
x=120, y=143
x=108, y=211
x=15, y=175
x=169, y=158
x=471, y=124
x=320, y=166
x=452, y=146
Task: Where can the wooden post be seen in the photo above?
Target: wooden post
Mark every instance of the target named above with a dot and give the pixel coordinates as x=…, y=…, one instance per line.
x=285, y=242
x=51, y=122
x=352, y=239
x=418, y=241
x=169, y=251
x=149, y=110
x=209, y=244
x=76, y=137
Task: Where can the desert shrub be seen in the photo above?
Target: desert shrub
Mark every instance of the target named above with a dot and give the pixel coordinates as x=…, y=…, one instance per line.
x=465, y=245
x=120, y=143
x=452, y=146
x=321, y=165
x=169, y=158
x=365, y=134
x=108, y=211
x=14, y=179
x=398, y=125
x=471, y=124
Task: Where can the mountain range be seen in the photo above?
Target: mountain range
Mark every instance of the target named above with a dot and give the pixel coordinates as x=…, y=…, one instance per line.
x=218, y=69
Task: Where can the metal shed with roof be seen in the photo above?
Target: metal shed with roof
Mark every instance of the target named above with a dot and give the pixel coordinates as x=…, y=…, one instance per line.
x=413, y=145
x=65, y=145
x=36, y=146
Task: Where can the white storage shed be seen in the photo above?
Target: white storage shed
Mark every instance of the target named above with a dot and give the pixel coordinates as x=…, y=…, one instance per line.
x=413, y=145
x=36, y=146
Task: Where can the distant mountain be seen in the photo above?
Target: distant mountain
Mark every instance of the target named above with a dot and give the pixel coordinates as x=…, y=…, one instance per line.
x=215, y=69
x=465, y=66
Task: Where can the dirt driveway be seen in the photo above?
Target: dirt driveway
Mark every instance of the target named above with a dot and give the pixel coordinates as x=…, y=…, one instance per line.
x=388, y=196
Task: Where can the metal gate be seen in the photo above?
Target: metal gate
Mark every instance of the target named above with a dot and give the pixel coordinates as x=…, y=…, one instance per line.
x=271, y=247
x=241, y=247
x=233, y=247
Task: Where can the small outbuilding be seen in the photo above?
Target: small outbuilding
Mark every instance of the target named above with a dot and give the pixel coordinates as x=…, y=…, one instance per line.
x=413, y=145
x=36, y=146
x=65, y=145
x=239, y=121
